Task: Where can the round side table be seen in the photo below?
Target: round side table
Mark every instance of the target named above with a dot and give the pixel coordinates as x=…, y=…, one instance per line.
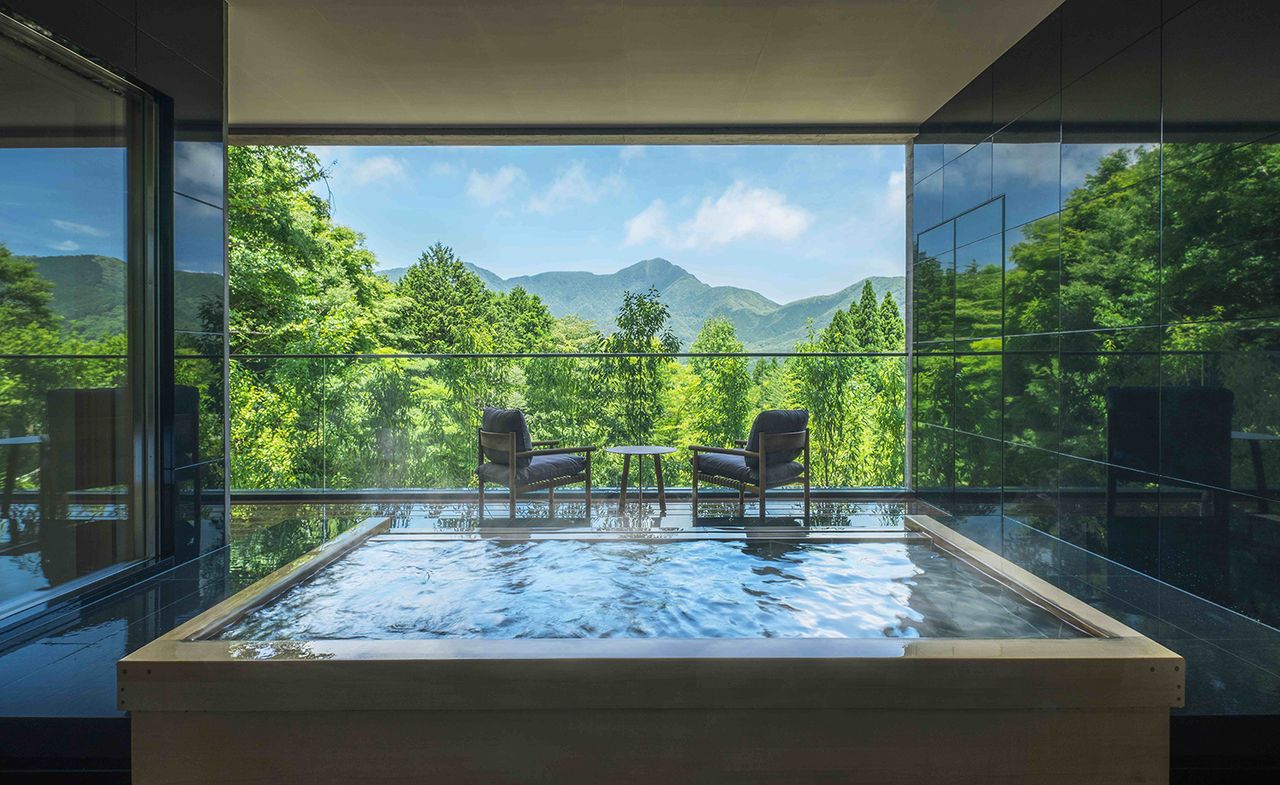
x=640, y=450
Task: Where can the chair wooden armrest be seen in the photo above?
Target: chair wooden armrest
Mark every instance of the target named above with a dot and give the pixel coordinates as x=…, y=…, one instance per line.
x=556, y=451
x=546, y=443
x=722, y=451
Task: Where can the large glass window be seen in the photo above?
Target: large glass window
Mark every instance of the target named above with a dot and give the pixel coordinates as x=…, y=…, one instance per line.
x=70, y=495
x=618, y=295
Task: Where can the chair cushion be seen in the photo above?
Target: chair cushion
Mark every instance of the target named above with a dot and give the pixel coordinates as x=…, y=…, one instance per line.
x=734, y=467
x=776, y=421
x=506, y=421
x=540, y=467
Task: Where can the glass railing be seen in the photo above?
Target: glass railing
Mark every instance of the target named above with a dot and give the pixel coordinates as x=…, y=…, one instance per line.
x=399, y=421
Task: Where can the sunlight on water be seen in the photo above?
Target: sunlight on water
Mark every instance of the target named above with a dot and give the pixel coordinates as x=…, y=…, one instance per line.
x=390, y=589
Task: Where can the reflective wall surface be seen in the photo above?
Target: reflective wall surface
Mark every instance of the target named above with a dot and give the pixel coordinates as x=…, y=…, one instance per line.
x=69, y=503
x=1096, y=304
x=67, y=173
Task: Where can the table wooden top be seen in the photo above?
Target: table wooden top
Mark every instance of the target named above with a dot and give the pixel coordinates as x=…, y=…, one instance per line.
x=640, y=449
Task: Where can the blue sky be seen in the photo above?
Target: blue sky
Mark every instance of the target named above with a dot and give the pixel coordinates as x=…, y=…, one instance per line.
x=787, y=221
x=59, y=201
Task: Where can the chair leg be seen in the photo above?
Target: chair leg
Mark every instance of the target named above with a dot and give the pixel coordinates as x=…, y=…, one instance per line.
x=551, y=502
x=806, y=498
x=588, y=489
x=513, y=505
x=695, y=493
x=482, y=500
x=742, y=502
x=762, y=502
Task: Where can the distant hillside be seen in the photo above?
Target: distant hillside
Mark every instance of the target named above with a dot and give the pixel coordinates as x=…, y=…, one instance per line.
x=89, y=294
x=762, y=324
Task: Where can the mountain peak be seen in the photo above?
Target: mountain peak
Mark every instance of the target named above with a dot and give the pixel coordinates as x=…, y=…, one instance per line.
x=655, y=272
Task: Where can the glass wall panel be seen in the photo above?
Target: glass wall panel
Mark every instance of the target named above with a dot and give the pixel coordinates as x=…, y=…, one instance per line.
x=977, y=389
x=935, y=280
x=199, y=283
x=936, y=242
x=68, y=503
x=1111, y=124
x=935, y=465
x=966, y=119
x=1221, y=239
x=1139, y=353
x=928, y=159
x=934, y=389
x=1031, y=277
x=1031, y=378
x=1031, y=486
x=198, y=170
x=200, y=520
x=197, y=410
x=1025, y=163
x=1111, y=260
x=1082, y=518
x=980, y=224
x=978, y=296
x=1103, y=374
x=69, y=499
x=978, y=475
x=64, y=192
x=1220, y=389
x=966, y=181
x=927, y=202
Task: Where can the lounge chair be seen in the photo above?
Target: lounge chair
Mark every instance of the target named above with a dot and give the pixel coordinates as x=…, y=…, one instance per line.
x=521, y=464
x=778, y=437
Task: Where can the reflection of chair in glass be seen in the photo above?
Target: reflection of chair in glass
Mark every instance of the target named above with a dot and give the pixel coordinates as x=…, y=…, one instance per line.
x=1194, y=447
x=778, y=437
x=522, y=465
x=89, y=448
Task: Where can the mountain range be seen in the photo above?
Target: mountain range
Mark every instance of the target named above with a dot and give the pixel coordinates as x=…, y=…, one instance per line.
x=762, y=324
x=89, y=293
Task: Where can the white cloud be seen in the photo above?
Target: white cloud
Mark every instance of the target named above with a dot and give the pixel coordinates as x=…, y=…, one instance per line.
x=65, y=245
x=895, y=197
x=444, y=169
x=741, y=212
x=377, y=169
x=76, y=228
x=649, y=225
x=574, y=185
x=631, y=151
x=494, y=187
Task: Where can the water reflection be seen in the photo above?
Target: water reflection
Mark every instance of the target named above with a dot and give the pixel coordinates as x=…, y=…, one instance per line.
x=394, y=588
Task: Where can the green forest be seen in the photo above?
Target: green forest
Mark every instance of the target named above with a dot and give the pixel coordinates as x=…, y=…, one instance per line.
x=301, y=284
x=1143, y=279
